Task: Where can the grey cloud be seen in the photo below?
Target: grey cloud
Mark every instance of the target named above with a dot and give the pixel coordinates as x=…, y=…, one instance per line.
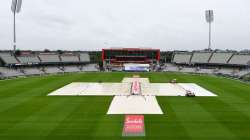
x=91, y=25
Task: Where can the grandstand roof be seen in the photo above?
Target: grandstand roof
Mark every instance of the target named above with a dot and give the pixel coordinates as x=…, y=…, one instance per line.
x=133, y=49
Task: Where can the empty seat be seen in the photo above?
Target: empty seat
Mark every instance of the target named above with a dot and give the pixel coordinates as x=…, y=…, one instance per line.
x=243, y=72
x=188, y=69
x=84, y=57
x=201, y=57
x=53, y=70
x=28, y=59
x=49, y=58
x=32, y=71
x=240, y=59
x=205, y=70
x=182, y=58
x=71, y=69
x=220, y=58
x=226, y=71
x=90, y=67
x=170, y=67
x=7, y=72
x=69, y=58
x=8, y=58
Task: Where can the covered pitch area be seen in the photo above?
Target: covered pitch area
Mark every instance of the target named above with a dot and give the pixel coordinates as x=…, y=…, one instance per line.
x=133, y=95
x=126, y=87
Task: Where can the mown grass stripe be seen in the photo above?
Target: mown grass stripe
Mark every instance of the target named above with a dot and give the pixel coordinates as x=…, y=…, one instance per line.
x=226, y=114
x=197, y=121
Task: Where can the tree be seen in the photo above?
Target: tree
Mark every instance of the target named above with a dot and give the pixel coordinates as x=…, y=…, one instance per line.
x=46, y=50
x=17, y=52
x=60, y=51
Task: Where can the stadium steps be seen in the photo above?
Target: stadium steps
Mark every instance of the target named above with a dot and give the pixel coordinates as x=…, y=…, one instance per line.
x=230, y=58
x=192, y=54
x=210, y=57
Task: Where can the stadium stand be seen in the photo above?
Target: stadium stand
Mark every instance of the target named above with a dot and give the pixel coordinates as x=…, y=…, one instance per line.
x=226, y=71
x=243, y=72
x=170, y=67
x=7, y=72
x=69, y=58
x=206, y=70
x=49, y=58
x=28, y=63
x=222, y=63
x=84, y=57
x=220, y=58
x=200, y=57
x=188, y=69
x=246, y=77
x=8, y=58
x=89, y=68
x=32, y=59
x=53, y=70
x=240, y=59
x=33, y=71
x=182, y=58
x=71, y=69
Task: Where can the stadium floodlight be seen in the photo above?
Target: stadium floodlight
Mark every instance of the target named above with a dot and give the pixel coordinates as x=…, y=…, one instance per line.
x=209, y=18
x=15, y=8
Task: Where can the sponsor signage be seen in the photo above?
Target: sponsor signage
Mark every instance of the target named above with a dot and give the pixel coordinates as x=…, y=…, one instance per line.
x=136, y=68
x=134, y=125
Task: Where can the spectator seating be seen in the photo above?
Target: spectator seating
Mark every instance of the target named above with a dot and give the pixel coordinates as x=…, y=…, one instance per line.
x=182, y=58
x=69, y=58
x=71, y=69
x=49, y=58
x=6, y=72
x=84, y=57
x=89, y=68
x=212, y=58
x=243, y=72
x=200, y=57
x=240, y=59
x=188, y=69
x=205, y=70
x=227, y=71
x=28, y=59
x=52, y=70
x=170, y=67
x=220, y=58
x=44, y=58
x=33, y=71
x=8, y=58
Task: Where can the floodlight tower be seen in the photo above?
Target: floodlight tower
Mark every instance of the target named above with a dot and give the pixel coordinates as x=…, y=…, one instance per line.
x=209, y=18
x=15, y=8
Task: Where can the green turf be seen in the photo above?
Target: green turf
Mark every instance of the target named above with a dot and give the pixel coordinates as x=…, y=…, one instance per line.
x=26, y=113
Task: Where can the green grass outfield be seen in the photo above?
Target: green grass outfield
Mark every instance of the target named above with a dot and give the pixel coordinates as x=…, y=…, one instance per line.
x=27, y=113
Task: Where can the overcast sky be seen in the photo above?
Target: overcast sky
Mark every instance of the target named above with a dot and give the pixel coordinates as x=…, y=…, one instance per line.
x=96, y=24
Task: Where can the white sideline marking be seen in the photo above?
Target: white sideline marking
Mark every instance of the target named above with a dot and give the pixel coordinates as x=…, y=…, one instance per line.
x=134, y=105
